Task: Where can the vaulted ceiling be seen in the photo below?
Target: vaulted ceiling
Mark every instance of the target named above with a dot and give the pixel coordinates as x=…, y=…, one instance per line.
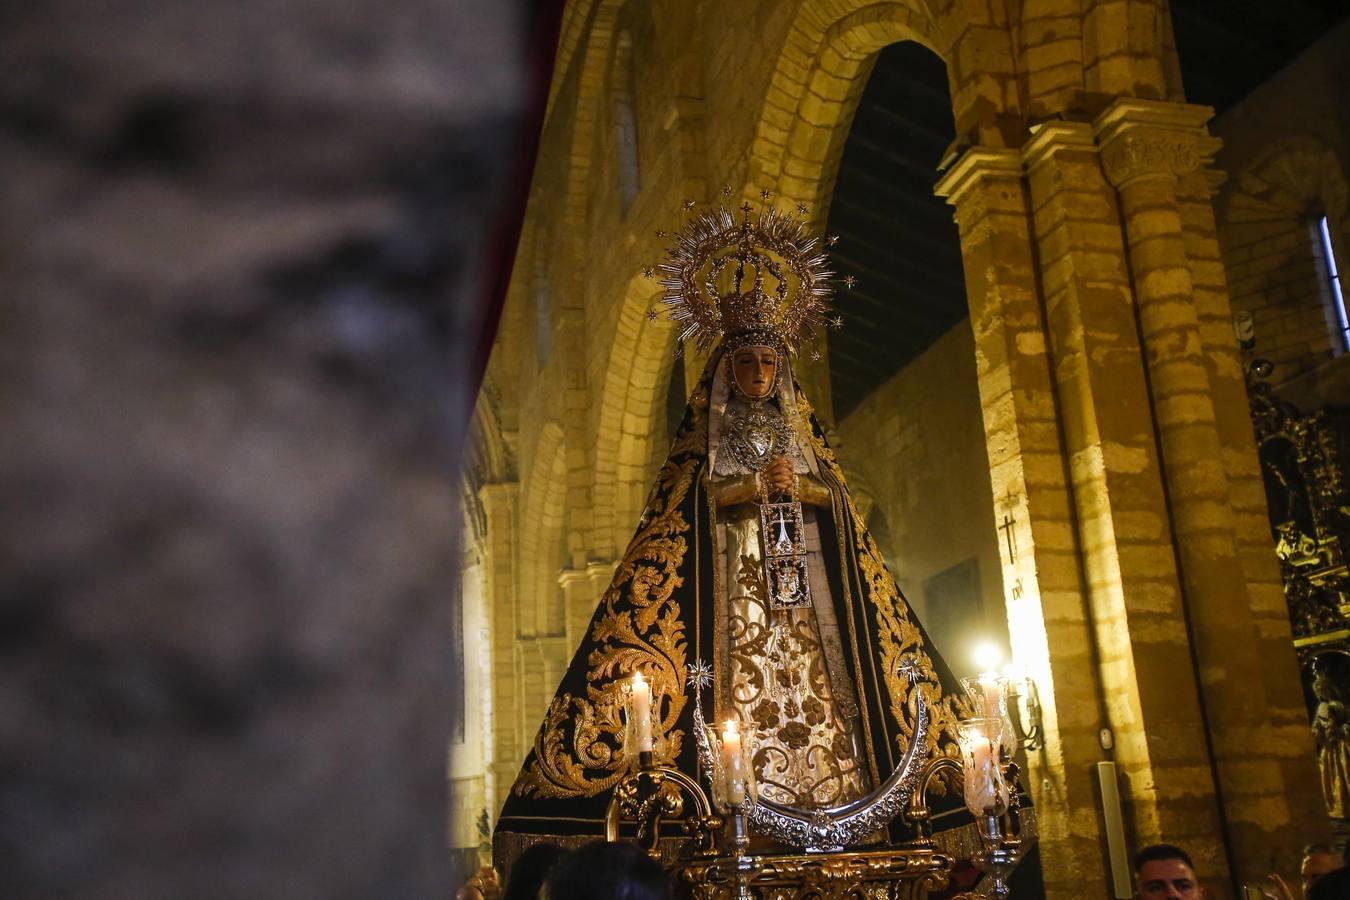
x=899, y=240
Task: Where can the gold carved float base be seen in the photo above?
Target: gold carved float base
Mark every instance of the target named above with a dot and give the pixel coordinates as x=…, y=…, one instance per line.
x=887, y=874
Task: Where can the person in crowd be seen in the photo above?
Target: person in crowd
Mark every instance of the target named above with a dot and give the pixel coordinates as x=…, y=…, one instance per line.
x=604, y=871
x=484, y=885
x=1318, y=860
x=1165, y=872
x=1330, y=885
x=531, y=869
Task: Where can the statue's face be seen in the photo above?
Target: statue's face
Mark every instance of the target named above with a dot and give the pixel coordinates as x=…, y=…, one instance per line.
x=755, y=368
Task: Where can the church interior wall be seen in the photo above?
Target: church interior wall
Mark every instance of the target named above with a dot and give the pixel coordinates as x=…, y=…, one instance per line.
x=1287, y=152
x=927, y=473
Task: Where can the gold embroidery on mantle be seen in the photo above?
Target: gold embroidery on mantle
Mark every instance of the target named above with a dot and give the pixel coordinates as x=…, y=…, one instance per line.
x=641, y=628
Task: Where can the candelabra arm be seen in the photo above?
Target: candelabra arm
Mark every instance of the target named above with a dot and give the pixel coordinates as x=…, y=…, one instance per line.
x=646, y=794
x=919, y=813
x=1031, y=734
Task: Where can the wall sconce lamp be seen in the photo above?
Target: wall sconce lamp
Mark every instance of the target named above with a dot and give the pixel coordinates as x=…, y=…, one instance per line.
x=1024, y=695
x=1011, y=695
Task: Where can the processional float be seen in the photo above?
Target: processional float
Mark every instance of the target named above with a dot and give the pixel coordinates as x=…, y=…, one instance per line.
x=758, y=285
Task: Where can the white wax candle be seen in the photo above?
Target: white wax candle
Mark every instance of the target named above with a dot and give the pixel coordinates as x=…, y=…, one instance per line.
x=985, y=770
x=731, y=762
x=993, y=693
x=640, y=711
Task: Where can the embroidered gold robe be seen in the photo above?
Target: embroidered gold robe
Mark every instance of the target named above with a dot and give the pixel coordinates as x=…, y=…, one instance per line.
x=820, y=688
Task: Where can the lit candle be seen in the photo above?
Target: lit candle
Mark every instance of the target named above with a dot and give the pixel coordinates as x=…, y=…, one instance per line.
x=993, y=693
x=640, y=711
x=984, y=769
x=731, y=762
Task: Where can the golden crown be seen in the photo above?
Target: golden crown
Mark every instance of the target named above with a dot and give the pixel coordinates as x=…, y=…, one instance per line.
x=759, y=279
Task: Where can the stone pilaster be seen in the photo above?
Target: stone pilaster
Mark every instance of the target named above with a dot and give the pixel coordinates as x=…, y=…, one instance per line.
x=1147, y=148
x=582, y=590
x=501, y=510
x=539, y=663
x=1143, y=654
x=1047, y=618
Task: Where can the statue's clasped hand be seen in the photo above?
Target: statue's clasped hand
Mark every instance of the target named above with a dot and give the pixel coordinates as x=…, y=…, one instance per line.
x=778, y=474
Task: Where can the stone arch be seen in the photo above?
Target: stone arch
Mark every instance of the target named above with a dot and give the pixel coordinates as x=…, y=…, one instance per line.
x=1297, y=175
x=815, y=89
x=635, y=379
x=598, y=458
x=544, y=505
x=570, y=39
x=1273, y=256
x=591, y=75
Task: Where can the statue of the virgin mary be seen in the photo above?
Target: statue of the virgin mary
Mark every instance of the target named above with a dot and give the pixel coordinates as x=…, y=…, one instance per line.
x=751, y=565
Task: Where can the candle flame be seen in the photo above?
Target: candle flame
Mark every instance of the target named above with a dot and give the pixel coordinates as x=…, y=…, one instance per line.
x=731, y=727
x=987, y=656
x=638, y=679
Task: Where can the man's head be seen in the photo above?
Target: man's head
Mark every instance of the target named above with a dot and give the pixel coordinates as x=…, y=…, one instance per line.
x=755, y=370
x=1164, y=872
x=1318, y=860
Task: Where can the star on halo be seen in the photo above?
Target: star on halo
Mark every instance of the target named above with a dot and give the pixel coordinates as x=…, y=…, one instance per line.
x=765, y=194
x=815, y=355
x=689, y=204
x=648, y=272
x=801, y=209
x=837, y=322
x=652, y=315
x=909, y=668
x=831, y=239
x=725, y=192
x=850, y=281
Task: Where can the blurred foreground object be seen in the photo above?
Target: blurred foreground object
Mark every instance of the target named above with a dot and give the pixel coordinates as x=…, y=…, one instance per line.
x=241, y=247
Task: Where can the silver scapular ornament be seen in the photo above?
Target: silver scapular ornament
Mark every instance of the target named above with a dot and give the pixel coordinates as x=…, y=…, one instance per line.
x=753, y=438
x=782, y=533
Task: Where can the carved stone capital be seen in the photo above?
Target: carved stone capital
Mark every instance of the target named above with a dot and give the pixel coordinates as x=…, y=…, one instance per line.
x=1147, y=138
x=1131, y=156
x=1050, y=139
x=982, y=177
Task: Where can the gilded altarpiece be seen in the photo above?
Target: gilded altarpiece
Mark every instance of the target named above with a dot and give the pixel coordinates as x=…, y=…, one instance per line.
x=1302, y=462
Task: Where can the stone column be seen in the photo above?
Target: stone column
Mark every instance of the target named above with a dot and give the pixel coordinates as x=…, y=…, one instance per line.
x=540, y=662
x=1144, y=656
x=500, y=508
x=555, y=653
x=1146, y=147
x=582, y=590
x=1047, y=617
x=1288, y=717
